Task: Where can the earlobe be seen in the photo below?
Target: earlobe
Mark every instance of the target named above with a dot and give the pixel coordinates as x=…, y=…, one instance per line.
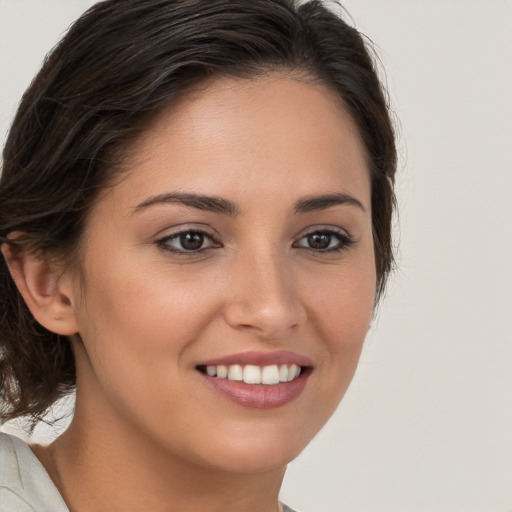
x=38, y=282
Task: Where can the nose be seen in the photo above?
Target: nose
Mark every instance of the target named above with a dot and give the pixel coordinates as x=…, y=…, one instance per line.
x=263, y=298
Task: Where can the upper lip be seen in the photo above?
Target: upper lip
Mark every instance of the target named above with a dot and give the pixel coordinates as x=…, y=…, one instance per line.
x=259, y=359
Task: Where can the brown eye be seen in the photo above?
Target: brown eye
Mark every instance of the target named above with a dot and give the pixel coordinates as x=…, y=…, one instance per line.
x=189, y=241
x=319, y=241
x=325, y=240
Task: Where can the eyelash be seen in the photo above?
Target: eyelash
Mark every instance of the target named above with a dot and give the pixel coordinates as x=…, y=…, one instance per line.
x=344, y=241
x=164, y=243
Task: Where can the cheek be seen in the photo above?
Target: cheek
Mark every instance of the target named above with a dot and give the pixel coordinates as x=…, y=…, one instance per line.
x=134, y=328
x=138, y=312
x=343, y=302
x=341, y=312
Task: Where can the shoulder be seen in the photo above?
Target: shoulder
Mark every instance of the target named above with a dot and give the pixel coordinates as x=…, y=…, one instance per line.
x=24, y=484
x=286, y=508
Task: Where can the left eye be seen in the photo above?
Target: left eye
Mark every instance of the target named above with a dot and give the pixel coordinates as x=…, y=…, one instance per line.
x=187, y=241
x=324, y=240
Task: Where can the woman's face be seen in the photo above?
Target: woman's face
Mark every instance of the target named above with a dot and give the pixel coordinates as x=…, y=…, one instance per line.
x=239, y=242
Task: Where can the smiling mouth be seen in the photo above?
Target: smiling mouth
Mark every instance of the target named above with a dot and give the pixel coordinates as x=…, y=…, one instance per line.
x=269, y=375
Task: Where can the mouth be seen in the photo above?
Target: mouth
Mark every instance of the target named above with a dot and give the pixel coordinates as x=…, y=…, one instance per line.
x=260, y=381
x=269, y=375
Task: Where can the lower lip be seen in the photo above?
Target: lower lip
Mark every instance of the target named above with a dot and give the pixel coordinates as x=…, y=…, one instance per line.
x=259, y=396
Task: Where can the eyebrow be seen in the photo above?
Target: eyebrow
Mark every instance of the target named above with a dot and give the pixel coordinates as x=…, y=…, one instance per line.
x=199, y=201
x=316, y=203
x=225, y=206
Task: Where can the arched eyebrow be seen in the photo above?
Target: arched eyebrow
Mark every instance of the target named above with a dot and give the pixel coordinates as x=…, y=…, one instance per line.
x=324, y=201
x=199, y=201
x=225, y=206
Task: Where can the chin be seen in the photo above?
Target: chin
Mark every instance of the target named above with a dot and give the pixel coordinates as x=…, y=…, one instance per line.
x=257, y=448
x=258, y=458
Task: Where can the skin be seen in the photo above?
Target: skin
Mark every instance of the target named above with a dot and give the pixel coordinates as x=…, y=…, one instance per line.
x=147, y=431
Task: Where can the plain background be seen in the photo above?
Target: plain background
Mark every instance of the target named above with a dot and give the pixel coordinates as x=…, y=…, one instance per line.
x=427, y=423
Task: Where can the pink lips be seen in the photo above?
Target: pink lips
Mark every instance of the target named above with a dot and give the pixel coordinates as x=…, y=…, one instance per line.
x=260, y=359
x=259, y=396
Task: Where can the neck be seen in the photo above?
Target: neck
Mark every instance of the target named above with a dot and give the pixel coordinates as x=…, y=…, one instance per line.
x=101, y=466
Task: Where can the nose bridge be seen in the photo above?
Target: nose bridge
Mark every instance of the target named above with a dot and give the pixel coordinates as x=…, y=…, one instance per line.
x=264, y=294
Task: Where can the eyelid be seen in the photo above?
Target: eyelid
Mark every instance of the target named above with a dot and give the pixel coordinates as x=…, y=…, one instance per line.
x=185, y=227
x=345, y=238
x=325, y=228
x=164, y=241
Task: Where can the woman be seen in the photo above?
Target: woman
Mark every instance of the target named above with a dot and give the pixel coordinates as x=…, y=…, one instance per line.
x=195, y=214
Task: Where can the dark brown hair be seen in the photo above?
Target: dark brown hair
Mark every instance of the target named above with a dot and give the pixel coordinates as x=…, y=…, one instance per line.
x=119, y=65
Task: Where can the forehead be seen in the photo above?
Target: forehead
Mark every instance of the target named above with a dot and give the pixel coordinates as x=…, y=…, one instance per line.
x=231, y=136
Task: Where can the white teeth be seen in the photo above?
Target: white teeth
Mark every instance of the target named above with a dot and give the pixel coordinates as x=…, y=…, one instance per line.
x=222, y=371
x=252, y=374
x=270, y=375
x=235, y=372
x=293, y=372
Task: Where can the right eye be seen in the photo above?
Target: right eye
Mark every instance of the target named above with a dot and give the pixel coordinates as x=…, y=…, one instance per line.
x=325, y=240
x=190, y=241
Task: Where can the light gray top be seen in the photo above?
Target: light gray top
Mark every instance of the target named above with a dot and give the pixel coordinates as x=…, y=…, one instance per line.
x=24, y=483
x=25, y=486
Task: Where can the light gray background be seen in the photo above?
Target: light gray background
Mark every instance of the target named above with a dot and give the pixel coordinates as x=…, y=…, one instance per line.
x=427, y=423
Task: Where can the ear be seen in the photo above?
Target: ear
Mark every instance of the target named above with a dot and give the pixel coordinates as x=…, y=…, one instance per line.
x=41, y=286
